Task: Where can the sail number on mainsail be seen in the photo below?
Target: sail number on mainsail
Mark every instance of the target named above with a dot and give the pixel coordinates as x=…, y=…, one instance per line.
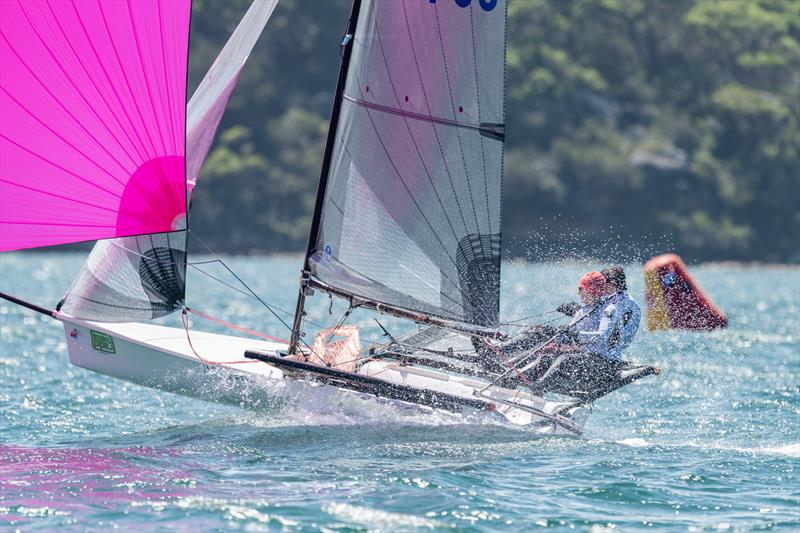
x=487, y=5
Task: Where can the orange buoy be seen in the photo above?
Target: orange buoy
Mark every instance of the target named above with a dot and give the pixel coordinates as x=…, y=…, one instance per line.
x=674, y=300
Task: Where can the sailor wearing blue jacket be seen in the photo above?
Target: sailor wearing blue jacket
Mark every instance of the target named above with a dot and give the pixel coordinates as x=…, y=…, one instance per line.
x=627, y=313
x=608, y=321
x=593, y=322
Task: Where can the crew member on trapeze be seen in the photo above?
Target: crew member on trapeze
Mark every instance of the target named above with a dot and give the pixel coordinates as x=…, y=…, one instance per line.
x=628, y=314
x=585, y=355
x=593, y=324
x=609, y=318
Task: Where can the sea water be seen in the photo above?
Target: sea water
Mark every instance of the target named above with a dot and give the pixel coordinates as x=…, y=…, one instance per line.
x=711, y=444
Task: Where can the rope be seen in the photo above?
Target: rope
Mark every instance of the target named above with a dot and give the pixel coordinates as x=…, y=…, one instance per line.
x=202, y=359
x=516, y=322
x=234, y=326
x=508, y=363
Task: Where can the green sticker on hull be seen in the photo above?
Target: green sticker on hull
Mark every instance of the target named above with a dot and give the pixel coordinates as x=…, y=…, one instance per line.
x=102, y=342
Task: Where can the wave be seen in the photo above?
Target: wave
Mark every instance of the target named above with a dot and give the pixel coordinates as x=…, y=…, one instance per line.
x=788, y=450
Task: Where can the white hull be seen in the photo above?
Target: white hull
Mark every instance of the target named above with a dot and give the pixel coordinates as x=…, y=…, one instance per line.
x=161, y=358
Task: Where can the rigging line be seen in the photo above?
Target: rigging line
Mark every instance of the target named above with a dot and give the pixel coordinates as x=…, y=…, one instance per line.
x=193, y=264
x=159, y=307
x=433, y=351
x=256, y=296
x=230, y=325
x=144, y=156
x=244, y=293
x=517, y=321
x=100, y=93
x=511, y=366
x=374, y=344
x=203, y=360
x=46, y=87
x=341, y=322
x=411, y=133
x=452, y=108
x=116, y=242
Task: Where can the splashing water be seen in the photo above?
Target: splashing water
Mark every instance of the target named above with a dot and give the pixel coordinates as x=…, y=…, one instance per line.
x=712, y=443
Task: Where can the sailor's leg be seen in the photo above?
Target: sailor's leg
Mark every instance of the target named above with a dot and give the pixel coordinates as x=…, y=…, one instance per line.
x=562, y=360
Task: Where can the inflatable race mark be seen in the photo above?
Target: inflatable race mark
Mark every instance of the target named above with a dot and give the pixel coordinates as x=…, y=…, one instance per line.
x=674, y=300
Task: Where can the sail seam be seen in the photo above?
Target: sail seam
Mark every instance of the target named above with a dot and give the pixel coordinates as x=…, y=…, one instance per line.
x=453, y=316
x=56, y=165
x=458, y=133
x=408, y=127
x=153, y=148
x=483, y=155
x=467, y=180
x=54, y=195
x=173, y=135
x=436, y=133
x=413, y=199
x=160, y=135
x=60, y=137
x=102, y=96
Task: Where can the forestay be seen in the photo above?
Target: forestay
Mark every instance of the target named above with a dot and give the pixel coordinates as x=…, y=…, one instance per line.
x=138, y=278
x=92, y=130
x=411, y=213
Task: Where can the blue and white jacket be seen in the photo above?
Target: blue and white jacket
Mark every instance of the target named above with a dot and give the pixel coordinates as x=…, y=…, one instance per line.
x=609, y=326
x=626, y=321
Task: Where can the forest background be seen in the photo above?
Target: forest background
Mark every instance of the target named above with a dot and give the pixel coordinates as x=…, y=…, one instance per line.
x=660, y=125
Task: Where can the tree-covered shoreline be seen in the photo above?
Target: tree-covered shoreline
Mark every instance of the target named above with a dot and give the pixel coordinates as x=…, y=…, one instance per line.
x=663, y=125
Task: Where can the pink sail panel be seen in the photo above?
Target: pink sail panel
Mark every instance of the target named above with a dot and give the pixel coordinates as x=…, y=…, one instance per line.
x=93, y=120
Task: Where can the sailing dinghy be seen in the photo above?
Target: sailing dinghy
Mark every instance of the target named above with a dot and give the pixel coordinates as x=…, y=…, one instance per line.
x=407, y=219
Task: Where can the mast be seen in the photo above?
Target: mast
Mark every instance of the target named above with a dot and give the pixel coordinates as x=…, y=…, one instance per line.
x=347, y=48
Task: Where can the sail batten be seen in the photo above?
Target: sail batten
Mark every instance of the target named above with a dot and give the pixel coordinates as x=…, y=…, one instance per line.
x=410, y=214
x=489, y=129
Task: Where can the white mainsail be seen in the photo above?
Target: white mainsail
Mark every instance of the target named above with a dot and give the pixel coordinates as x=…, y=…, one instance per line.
x=408, y=211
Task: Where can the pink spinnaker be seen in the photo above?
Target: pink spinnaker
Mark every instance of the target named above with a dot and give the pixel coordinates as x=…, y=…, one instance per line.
x=92, y=121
